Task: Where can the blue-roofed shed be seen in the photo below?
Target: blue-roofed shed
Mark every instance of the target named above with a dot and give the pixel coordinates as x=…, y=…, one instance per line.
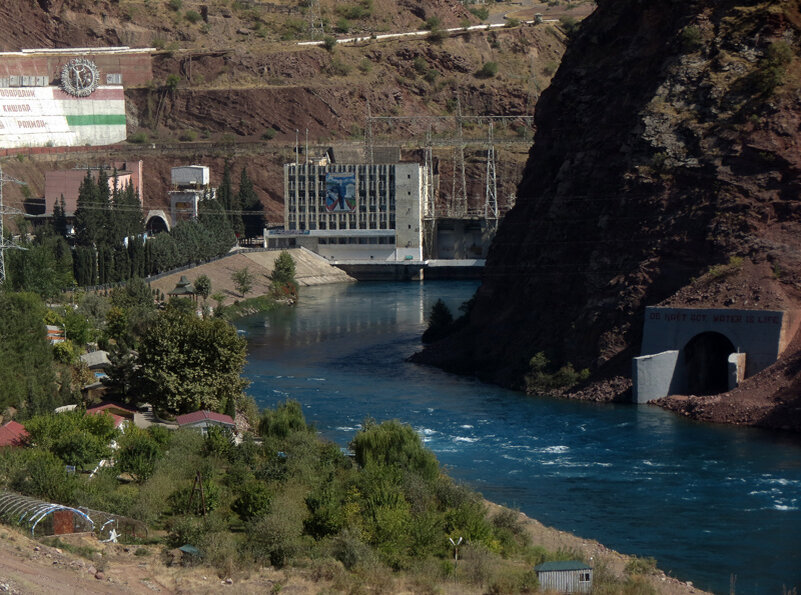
x=566, y=576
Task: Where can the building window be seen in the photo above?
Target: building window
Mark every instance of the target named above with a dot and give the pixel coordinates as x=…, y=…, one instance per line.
x=584, y=577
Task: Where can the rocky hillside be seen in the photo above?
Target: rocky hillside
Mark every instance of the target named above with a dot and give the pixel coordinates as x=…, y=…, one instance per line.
x=665, y=169
x=230, y=81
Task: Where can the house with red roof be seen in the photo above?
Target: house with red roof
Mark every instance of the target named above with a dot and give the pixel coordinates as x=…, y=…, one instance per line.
x=119, y=413
x=13, y=434
x=202, y=420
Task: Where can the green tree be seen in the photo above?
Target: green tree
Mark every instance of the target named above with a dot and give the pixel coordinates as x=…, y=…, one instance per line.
x=394, y=444
x=189, y=363
x=252, y=207
x=137, y=453
x=440, y=322
x=27, y=379
x=284, y=269
x=287, y=418
x=60, y=217
x=230, y=201
x=243, y=280
x=74, y=437
x=203, y=286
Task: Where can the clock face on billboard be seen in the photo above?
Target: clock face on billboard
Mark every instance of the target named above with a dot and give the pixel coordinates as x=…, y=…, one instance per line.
x=80, y=77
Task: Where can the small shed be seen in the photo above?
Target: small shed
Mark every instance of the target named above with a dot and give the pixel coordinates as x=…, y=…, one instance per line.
x=568, y=576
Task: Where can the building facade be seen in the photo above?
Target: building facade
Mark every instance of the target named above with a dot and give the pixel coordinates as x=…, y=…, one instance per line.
x=190, y=185
x=356, y=211
x=67, y=183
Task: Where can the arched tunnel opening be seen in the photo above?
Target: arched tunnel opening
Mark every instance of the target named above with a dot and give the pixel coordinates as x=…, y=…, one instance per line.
x=706, y=357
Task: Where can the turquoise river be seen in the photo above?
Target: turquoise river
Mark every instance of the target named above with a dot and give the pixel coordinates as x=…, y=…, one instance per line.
x=707, y=502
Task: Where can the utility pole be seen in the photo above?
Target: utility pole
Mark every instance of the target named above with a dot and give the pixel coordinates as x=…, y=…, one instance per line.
x=6, y=245
x=368, y=131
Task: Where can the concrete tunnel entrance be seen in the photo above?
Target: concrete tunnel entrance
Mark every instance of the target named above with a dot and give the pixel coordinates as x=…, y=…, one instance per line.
x=706, y=358
x=695, y=351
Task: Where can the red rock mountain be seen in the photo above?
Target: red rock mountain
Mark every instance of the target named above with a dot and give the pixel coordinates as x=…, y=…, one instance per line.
x=665, y=169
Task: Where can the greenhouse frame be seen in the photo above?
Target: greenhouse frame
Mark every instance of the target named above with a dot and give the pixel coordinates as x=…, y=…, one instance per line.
x=42, y=518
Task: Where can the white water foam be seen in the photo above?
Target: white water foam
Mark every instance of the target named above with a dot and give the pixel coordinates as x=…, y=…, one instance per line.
x=464, y=439
x=555, y=449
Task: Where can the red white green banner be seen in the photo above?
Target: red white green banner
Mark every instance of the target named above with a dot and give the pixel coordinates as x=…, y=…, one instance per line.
x=46, y=116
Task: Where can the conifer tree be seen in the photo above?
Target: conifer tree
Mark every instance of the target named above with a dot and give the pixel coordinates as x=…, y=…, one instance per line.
x=252, y=207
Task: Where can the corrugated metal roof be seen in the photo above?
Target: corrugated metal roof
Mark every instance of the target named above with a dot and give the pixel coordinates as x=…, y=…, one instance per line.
x=13, y=434
x=197, y=416
x=561, y=565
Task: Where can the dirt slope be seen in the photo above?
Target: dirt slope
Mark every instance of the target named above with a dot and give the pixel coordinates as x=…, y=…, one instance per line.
x=310, y=269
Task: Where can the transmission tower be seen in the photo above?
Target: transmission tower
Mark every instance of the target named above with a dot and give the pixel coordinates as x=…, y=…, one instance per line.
x=459, y=187
x=316, y=30
x=491, y=192
x=429, y=209
x=6, y=245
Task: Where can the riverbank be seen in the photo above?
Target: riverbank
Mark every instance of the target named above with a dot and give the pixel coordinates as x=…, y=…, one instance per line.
x=29, y=566
x=605, y=561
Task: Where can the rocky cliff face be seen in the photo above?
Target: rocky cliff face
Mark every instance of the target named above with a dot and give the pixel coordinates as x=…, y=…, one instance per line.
x=665, y=168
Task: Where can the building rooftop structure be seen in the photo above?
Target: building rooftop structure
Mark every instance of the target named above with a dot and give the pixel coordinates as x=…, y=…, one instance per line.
x=67, y=183
x=204, y=416
x=183, y=289
x=13, y=434
x=561, y=565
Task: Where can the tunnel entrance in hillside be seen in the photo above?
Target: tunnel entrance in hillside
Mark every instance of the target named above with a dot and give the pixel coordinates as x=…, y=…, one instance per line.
x=706, y=357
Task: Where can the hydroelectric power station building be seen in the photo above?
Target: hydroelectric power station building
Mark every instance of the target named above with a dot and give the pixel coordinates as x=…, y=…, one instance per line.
x=67, y=97
x=354, y=211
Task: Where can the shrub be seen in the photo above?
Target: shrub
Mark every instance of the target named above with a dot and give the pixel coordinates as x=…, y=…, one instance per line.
x=187, y=136
x=691, y=38
x=192, y=16
x=175, y=4
x=771, y=70
x=569, y=25
x=431, y=76
x=269, y=134
x=348, y=548
x=342, y=26
x=540, y=378
x=512, y=22
x=365, y=66
x=440, y=322
x=481, y=13
x=638, y=565
x=253, y=500
x=488, y=70
x=138, y=138
x=329, y=43
x=64, y=352
x=436, y=36
x=339, y=68
x=432, y=23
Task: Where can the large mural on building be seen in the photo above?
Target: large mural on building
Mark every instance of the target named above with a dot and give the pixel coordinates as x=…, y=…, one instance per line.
x=340, y=193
